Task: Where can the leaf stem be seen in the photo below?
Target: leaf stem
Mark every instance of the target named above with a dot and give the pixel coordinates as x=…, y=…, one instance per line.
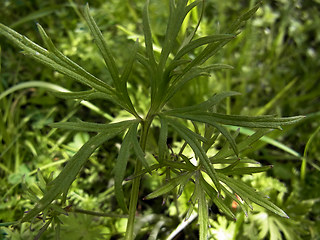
x=136, y=181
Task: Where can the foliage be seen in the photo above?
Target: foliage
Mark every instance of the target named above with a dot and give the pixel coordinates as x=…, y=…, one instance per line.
x=194, y=164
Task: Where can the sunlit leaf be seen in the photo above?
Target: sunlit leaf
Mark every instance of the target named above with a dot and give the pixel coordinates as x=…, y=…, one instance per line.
x=213, y=194
x=219, y=127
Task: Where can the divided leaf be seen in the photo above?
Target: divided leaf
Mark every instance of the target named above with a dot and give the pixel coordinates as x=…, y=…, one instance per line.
x=129, y=141
x=202, y=41
x=148, y=37
x=120, y=168
x=189, y=137
x=92, y=127
x=82, y=95
x=102, y=45
x=204, y=106
x=170, y=185
x=64, y=65
x=267, y=121
x=213, y=194
x=162, y=143
x=203, y=215
x=63, y=181
x=246, y=192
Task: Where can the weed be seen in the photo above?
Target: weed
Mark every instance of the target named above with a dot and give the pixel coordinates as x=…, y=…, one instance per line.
x=198, y=126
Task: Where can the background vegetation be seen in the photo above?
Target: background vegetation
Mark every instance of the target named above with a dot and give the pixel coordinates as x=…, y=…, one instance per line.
x=276, y=69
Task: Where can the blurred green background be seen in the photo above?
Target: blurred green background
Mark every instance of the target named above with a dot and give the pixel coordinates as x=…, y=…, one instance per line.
x=276, y=69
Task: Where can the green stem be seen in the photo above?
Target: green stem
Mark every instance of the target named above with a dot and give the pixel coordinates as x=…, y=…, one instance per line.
x=136, y=182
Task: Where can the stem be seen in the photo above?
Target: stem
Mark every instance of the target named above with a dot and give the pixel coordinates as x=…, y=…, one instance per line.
x=136, y=182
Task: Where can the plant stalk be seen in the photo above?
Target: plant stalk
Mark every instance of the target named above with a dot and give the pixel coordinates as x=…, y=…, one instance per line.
x=136, y=182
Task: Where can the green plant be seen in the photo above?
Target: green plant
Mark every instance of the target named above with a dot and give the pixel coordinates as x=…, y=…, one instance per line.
x=198, y=126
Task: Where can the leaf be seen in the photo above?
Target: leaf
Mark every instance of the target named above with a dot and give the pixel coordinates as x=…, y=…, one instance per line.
x=176, y=16
x=220, y=128
x=170, y=185
x=60, y=58
x=120, y=83
x=174, y=64
x=234, y=197
x=138, y=150
x=204, y=106
x=245, y=144
x=179, y=165
x=202, y=41
x=120, y=168
x=91, y=127
x=188, y=39
x=144, y=171
x=42, y=183
x=148, y=37
x=62, y=183
x=266, y=121
x=102, y=45
x=47, y=58
x=244, y=17
x=162, y=142
x=124, y=79
x=245, y=170
x=189, y=137
x=58, y=209
x=231, y=160
x=176, y=86
x=213, y=194
x=128, y=67
x=203, y=216
x=130, y=140
x=82, y=95
x=244, y=191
